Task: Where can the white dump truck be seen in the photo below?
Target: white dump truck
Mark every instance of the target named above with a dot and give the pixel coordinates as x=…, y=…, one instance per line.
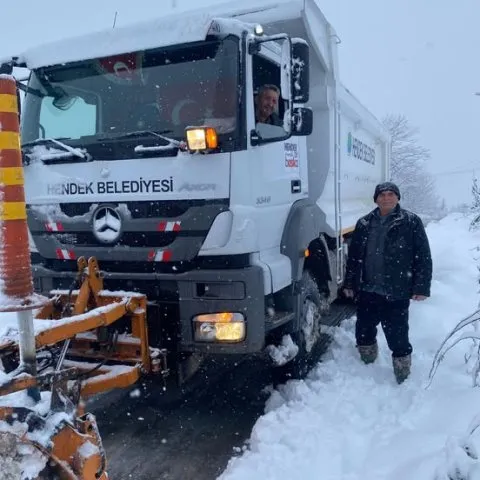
x=142, y=147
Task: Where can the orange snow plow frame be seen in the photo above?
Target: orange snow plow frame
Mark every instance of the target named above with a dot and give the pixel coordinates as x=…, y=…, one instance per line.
x=92, y=360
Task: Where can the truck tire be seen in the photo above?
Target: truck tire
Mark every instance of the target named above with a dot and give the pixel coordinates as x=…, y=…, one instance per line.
x=313, y=304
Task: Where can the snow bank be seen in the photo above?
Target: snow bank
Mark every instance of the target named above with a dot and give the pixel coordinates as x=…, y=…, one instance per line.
x=352, y=421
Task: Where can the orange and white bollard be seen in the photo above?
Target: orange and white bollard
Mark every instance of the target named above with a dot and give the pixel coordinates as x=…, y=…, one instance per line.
x=16, y=285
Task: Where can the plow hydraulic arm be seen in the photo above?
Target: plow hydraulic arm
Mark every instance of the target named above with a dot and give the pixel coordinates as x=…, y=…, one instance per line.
x=88, y=341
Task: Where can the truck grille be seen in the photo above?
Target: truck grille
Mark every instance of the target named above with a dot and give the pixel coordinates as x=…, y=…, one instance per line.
x=160, y=209
x=131, y=239
x=148, y=231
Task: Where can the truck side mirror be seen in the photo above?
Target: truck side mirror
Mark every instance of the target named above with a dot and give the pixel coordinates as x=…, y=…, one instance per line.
x=300, y=71
x=6, y=68
x=286, y=70
x=302, y=121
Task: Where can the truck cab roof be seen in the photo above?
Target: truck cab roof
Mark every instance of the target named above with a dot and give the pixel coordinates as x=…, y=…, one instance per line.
x=177, y=28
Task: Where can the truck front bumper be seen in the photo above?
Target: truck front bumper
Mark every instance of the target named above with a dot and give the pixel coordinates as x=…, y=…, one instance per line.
x=198, y=292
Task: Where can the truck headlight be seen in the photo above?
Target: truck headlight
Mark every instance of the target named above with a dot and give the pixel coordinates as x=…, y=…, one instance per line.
x=219, y=327
x=201, y=138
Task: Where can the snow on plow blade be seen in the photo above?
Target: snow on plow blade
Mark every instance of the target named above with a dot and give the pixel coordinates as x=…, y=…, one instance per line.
x=55, y=446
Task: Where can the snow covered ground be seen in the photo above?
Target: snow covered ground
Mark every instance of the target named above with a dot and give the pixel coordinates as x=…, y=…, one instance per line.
x=351, y=421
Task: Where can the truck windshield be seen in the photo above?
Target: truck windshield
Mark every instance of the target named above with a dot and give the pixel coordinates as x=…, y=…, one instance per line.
x=163, y=90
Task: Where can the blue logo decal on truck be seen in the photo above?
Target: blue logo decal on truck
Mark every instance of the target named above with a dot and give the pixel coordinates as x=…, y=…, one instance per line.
x=360, y=150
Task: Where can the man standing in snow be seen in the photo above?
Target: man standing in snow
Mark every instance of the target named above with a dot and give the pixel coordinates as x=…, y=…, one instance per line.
x=389, y=264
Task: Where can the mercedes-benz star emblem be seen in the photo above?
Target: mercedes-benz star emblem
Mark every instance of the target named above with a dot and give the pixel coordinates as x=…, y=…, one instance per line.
x=107, y=224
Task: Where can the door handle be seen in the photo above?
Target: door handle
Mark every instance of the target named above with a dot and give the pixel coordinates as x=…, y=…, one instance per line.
x=296, y=186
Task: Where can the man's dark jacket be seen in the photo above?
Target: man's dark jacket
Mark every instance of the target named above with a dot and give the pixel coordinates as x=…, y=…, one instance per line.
x=408, y=261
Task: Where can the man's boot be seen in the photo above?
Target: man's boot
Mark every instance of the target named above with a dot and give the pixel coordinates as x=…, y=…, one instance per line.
x=368, y=353
x=401, y=367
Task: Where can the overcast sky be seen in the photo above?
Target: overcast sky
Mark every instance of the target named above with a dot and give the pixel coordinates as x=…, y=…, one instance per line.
x=415, y=57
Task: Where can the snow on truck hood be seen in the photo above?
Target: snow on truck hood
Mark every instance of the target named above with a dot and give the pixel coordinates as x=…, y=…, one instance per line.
x=185, y=27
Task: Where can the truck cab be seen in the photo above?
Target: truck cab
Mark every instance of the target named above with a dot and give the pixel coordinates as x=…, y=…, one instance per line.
x=146, y=151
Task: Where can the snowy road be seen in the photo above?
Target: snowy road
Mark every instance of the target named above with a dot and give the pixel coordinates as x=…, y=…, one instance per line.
x=196, y=438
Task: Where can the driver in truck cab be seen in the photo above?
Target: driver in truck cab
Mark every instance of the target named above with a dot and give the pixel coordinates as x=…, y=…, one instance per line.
x=266, y=105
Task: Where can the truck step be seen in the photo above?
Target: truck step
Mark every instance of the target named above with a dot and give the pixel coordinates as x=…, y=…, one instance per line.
x=338, y=312
x=277, y=319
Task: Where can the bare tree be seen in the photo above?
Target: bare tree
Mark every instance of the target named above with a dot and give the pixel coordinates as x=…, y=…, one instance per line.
x=407, y=153
x=408, y=161
x=466, y=329
x=461, y=460
x=419, y=194
x=475, y=207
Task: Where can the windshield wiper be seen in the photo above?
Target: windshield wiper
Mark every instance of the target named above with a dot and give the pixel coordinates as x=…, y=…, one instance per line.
x=42, y=141
x=141, y=133
x=27, y=89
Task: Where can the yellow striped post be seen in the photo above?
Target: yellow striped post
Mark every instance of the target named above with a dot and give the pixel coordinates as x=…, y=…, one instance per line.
x=15, y=268
x=15, y=265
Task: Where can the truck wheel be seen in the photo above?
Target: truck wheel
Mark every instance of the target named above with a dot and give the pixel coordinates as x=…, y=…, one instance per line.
x=312, y=305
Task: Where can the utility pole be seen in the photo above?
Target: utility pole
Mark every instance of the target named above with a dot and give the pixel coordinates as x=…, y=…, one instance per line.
x=115, y=20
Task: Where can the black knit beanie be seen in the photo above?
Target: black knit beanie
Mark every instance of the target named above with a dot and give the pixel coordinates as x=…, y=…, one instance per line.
x=386, y=186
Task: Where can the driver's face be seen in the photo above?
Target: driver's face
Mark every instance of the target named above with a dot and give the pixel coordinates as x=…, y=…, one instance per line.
x=267, y=103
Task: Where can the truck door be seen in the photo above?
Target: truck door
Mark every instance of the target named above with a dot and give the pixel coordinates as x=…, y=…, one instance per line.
x=276, y=180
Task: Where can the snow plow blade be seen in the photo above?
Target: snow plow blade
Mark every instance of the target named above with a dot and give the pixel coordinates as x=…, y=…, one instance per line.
x=66, y=449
